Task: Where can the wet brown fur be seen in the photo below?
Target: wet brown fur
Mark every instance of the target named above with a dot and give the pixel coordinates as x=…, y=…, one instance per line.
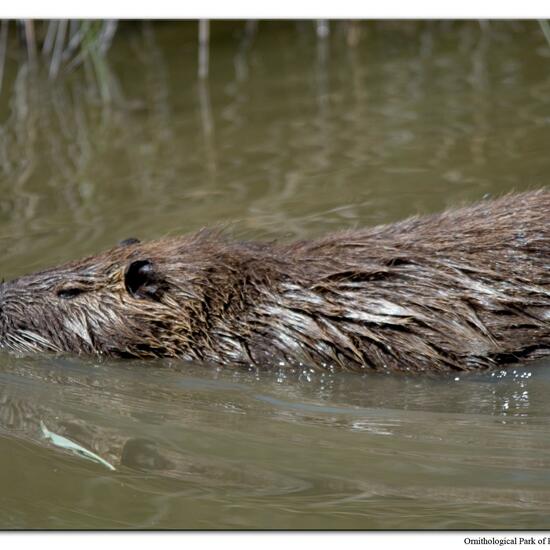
x=460, y=290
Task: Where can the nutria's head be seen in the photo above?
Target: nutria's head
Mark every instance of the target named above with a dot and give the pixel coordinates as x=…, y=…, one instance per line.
x=134, y=300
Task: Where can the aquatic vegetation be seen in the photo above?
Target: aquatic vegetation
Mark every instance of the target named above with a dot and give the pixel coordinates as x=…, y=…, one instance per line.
x=60, y=46
x=64, y=443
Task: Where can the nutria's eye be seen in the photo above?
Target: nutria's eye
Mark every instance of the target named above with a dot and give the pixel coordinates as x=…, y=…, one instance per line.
x=142, y=281
x=69, y=292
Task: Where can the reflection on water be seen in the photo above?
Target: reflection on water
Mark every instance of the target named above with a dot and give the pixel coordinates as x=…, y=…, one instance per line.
x=290, y=136
x=195, y=447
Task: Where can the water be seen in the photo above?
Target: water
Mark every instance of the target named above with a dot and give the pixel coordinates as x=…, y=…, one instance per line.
x=289, y=138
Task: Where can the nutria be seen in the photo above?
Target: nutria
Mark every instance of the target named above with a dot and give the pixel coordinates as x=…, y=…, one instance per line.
x=460, y=290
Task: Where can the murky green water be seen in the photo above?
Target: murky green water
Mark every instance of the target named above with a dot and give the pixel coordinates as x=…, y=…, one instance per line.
x=290, y=137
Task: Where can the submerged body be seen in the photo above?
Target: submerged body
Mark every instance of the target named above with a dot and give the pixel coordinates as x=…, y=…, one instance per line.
x=464, y=289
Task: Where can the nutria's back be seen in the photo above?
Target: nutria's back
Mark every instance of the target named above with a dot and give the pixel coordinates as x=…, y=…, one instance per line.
x=460, y=290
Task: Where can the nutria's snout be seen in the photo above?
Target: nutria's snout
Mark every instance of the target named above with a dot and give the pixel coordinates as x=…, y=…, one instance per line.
x=458, y=290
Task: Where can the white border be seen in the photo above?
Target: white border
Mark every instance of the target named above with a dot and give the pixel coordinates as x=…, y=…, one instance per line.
x=276, y=540
x=280, y=9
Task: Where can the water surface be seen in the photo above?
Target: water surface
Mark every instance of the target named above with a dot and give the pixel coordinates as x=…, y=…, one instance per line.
x=289, y=137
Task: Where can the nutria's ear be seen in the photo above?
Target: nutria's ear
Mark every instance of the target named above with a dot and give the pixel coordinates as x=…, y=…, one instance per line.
x=142, y=281
x=129, y=241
